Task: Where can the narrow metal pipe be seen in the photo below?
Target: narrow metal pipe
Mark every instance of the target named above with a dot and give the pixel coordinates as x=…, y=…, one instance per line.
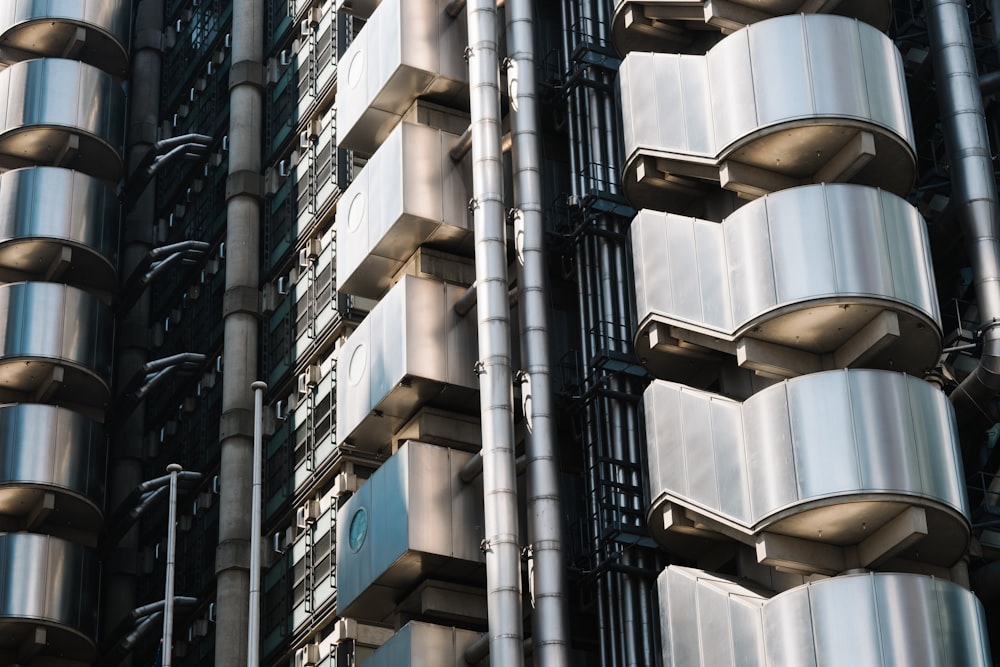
x=550, y=625
x=477, y=650
x=168, y=595
x=503, y=553
x=462, y=145
x=973, y=186
x=253, y=631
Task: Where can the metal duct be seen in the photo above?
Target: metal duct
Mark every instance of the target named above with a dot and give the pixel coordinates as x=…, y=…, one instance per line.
x=550, y=629
x=62, y=113
x=974, y=192
x=48, y=583
x=503, y=553
x=54, y=345
x=51, y=470
x=418, y=643
x=58, y=225
x=92, y=31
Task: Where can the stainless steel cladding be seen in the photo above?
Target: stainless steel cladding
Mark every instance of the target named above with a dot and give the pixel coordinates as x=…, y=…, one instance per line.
x=865, y=462
x=54, y=345
x=662, y=25
x=61, y=113
x=58, y=224
x=51, y=470
x=413, y=519
x=52, y=585
x=412, y=350
x=418, y=643
x=93, y=31
x=757, y=120
x=816, y=277
x=410, y=193
x=406, y=50
x=864, y=619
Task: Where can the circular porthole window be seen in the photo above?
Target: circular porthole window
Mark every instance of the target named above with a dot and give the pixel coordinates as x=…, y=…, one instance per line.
x=356, y=212
x=355, y=69
x=358, y=364
x=358, y=529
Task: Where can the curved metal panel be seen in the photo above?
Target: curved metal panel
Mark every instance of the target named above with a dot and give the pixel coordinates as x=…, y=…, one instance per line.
x=58, y=224
x=49, y=450
x=680, y=25
x=836, y=112
x=51, y=583
x=92, y=31
x=864, y=619
x=405, y=51
x=828, y=457
x=839, y=272
x=410, y=193
x=55, y=344
x=61, y=113
x=411, y=351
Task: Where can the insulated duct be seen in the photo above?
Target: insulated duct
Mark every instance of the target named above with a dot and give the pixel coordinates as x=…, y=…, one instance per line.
x=503, y=558
x=550, y=632
x=973, y=186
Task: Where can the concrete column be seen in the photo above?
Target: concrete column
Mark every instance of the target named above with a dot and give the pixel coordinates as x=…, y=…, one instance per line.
x=241, y=312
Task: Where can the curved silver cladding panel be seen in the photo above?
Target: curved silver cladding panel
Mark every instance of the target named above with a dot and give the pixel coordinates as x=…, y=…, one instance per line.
x=51, y=583
x=831, y=458
x=55, y=345
x=406, y=50
x=414, y=518
x=50, y=450
x=420, y=643
x=840, y=272
x=92, y=31
x=864, y=619
x=61, y=113
x=412, y=350
x=757, y=119
x=671, y=26
x=410, y=193
x=58, y=225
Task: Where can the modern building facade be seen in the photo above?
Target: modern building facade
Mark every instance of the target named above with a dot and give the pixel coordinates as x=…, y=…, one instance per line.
x=595, y=333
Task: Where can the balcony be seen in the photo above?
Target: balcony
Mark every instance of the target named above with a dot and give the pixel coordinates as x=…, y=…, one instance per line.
x=406, y=51
x=409, y=194
x=824, y=473
x=808, y=279
x=681, y=25
x=861, y=619
x=789, y=101
x=411, y=351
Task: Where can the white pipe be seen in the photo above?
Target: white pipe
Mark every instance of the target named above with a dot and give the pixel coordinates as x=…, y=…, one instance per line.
x=503, y=553
x=168, y=595
x=550, y=620
x=253, y=631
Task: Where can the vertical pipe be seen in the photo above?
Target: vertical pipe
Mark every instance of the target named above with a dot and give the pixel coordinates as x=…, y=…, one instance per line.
x=973, y=185
x=550, y=633
x=503, y=565
x=253, y=631
x=168, y=594
x=243, y=219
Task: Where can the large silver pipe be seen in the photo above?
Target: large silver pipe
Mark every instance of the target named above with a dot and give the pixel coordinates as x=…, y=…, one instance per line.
x=243, y=222
x=503, y=559
x=253, y=632
x=550, y=631
x=974, y=192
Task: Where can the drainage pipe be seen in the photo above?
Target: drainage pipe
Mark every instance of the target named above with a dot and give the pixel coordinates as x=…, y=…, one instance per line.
x=503, y=553
x=550, y=632
x=241, y=308
x=974, y=190
x=253, y=632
